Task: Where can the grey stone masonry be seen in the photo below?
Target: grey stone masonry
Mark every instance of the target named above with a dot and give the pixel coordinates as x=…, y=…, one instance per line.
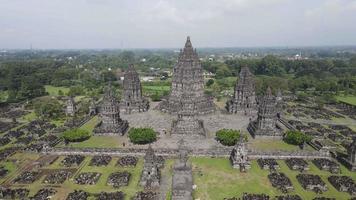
x=109, y=112
x=70, y=107
x=182, y=181
x=150, y=177
x=132, y=100
x=265, y=124
x=238, y=157
x=244, y=99
x=187, y=122
x=187, y=76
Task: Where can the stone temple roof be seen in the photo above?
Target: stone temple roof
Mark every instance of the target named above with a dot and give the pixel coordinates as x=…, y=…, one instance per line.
x=246, y=81
x=188, y=53
x=109, y=98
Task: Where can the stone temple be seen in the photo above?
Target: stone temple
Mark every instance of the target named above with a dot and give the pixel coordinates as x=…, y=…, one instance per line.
x=150, y=177
x=238, y=157
x=187, y=76
x=244, y=99
x=132, y=100
x=109, y=112
x=187, y=122
x=70, y=107
x=265, y=124
x=351, y=152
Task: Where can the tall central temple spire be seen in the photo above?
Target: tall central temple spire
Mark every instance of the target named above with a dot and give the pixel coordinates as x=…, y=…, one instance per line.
x=188, y=80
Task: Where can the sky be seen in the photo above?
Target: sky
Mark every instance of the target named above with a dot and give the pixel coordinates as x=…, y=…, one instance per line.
x=83, y=24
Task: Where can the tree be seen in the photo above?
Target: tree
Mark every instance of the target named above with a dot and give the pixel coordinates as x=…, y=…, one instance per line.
x=142, y=135
x=228, y=137
x=48, y=108
x=296, y=137
x=76, y=135
x=210, y=82
x=270, y=65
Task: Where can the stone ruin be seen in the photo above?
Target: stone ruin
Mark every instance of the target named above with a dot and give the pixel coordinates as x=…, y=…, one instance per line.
x=100, y=160
x=70, y=107
x=44, y=194
x=150, y=177
x=280, y=181
x=111, y=123
x=187, y=122
x=27, y=177
x=57, y=177
x=268, y=163
x=266, y=122
x=351, y=152
x=18, y=193
x=288, y=197
x=78, y=195
x=238, y=157
x=343, y=184
x=72, y=160
x=297, y=164
x=146, y=195
x=111, y=196
x=247, y=196
x=119, y=179
x=182, y=181
x=187, y=76
x=327, y=165
x=87, y=178
x=3, y=171
x=132, y=100
x=312, y=182
x=127, y=161
x=244, y=99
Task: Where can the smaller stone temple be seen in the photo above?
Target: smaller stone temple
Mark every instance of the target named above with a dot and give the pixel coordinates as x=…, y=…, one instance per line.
x=238, y=157
x=182, y=182
x=92, y=108
x=244, y=99
x=187, y=123
x=109, y=112
x=132, y=100
x=265, y=124
x=150, y=177
x=70, y=107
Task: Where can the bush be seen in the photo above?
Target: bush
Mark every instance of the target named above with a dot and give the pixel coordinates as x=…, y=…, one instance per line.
x=76, y=135
x=228, y=137
x=142, y=135
x=296, y=138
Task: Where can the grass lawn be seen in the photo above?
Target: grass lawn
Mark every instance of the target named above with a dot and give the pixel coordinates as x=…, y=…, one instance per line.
x=216, y=179
x=30, y=116
x=90, y=125
x=99, y=142
x=271, y=145
x=53, y=91
x=347, y=99
x=3, y=96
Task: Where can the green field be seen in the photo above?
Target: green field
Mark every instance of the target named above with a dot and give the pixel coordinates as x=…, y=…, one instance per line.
x=3, y=96
x=347, y=99
x=99, y=142
x=53, y=91
x=216, y=179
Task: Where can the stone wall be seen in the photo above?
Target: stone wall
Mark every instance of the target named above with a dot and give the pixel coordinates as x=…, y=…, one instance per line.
x=215, y=152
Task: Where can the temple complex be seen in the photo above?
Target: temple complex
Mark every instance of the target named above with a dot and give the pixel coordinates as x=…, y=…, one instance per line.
x=182, y=182
x=150, y=177
x=92, y=108
x=70, y=107
x=244, y=98
x=109, y=112
x=132, y=100
x=187, y=122
x=187, y=76
x=238, y=157
x=265, y=124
